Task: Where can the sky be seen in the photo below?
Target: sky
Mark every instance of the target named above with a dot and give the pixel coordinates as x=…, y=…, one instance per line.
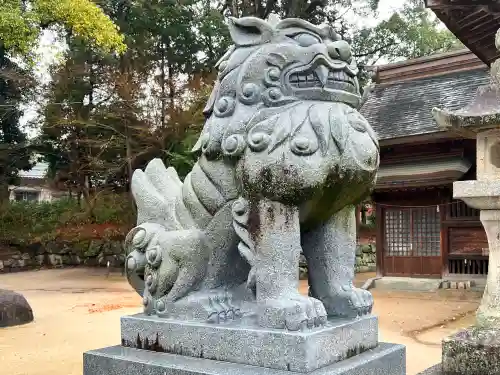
x=50, y=50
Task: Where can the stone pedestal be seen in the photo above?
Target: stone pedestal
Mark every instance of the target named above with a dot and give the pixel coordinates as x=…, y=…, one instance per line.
x=473, y=351
x=485, y=195
x=152, y=345
x=488, y=314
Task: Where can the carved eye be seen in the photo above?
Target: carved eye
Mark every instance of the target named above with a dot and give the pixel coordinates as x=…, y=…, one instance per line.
x=306, y=40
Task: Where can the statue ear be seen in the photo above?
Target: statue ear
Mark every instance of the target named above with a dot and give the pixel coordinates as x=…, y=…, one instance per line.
x=207, y=111
x=249, y=31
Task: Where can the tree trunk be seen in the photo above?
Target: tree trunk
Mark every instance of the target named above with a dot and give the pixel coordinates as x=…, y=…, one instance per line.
x=163, y=82
x=4, y=193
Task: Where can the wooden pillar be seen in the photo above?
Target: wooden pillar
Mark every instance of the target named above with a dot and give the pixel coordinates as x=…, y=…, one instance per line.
x=379, y=240
x=445, y=199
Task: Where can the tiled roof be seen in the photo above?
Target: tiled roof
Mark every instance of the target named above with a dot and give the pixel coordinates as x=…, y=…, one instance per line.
x=404, y=109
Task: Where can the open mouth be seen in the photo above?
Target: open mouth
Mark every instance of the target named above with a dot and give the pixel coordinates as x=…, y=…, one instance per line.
x=323, y=78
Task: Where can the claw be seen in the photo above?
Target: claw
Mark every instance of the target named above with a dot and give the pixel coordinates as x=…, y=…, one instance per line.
x=213, y=318
x=304, y=325
x=317, y=321
x=322, y=320
x=222, y=316
x=310, y=323
x=224, y=303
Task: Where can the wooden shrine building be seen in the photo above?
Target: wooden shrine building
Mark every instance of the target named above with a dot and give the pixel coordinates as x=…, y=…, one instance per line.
x=421, y=230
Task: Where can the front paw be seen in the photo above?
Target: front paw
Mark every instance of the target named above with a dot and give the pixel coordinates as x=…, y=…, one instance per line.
x=148, y=265
x=294, y=313
x=349, y=302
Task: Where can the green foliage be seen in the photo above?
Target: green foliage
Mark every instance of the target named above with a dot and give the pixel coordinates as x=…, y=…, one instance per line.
x=21, y=22
x=412, y=32
x=92, y=143
x=14, y=152
x=24, y=222
x=21, y=221
x=107, y=115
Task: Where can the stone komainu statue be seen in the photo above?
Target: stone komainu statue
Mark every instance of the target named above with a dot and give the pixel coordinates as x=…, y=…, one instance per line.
x=284, y=156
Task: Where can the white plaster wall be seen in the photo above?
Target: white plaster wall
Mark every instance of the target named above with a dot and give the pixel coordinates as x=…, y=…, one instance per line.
x=44, y=194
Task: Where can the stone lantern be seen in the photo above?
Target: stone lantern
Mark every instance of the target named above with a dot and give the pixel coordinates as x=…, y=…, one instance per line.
x=476, y=350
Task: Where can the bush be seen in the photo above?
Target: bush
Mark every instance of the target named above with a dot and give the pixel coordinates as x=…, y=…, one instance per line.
x=24, y=222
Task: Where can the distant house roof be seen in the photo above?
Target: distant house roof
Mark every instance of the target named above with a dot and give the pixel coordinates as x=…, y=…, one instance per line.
x=37, y=172
x=401, y=102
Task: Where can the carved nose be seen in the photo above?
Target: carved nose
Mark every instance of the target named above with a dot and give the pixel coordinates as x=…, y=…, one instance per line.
x=340, y=50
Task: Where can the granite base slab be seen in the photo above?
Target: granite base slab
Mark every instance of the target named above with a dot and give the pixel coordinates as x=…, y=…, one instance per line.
x=385, y=359
x=299, y=351
x=472, y=351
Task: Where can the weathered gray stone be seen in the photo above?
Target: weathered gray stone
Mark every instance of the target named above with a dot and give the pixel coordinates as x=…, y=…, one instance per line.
x=244, y=342
x=52, y=247
x=16, y=256
x=55, y=259
x=94, y=248
x=282, y=164
x=473, y=351
x=284, y=157
x=40, y=259
x=14, y=309
x=18, y=263
x=386, y=359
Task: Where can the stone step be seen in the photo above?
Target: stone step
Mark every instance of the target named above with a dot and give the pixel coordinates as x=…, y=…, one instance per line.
x=385, y=359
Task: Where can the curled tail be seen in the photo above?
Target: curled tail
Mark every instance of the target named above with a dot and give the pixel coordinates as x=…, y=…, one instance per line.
x=167, y=235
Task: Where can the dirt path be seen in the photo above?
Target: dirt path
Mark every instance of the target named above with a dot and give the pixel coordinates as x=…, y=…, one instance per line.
x=79, y=309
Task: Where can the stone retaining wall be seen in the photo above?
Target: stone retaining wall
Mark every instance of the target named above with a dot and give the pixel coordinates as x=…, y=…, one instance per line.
x=99, y=253
x=366, y=258
x=60, y=254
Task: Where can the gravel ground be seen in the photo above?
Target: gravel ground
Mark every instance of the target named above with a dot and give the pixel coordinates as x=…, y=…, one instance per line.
x=79, y=309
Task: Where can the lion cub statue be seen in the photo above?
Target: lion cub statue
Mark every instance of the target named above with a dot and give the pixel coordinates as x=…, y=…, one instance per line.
x=284, y=156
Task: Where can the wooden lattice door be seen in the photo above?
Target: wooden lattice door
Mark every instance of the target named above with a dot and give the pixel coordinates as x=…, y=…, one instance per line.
x=412, y=241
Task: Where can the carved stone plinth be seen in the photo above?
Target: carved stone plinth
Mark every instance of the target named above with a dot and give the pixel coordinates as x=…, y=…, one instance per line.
x=244, y=343
x=153, y=345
